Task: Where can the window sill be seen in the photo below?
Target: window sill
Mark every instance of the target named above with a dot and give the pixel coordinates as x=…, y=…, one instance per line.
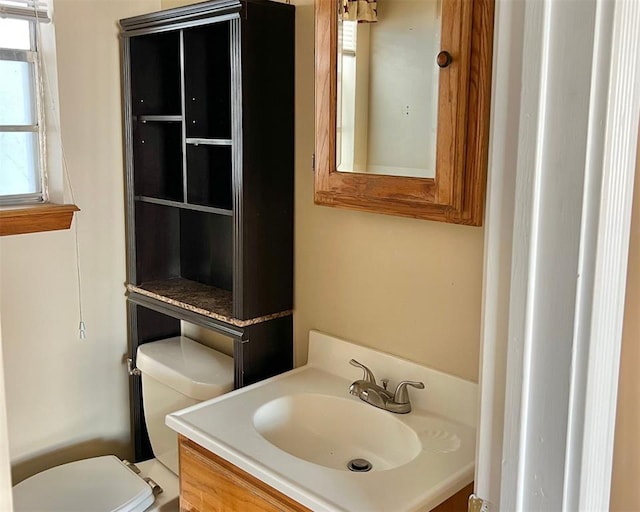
x=18, y=220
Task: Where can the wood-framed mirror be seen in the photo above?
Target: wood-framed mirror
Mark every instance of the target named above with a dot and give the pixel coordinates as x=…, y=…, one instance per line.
x=450, y=186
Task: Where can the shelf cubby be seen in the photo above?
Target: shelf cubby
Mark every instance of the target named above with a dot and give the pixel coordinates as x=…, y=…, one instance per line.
x=207, y=78
x=157, y=154
x=206, y=248
x=155, y=84
x=182, y=243
x=209, y=175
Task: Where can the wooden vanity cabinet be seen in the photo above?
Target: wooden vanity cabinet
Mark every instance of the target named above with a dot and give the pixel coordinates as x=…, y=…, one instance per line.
x=208, y=94
x=209, y=483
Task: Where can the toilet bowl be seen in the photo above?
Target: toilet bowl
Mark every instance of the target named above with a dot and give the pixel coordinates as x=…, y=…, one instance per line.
x=176, y=373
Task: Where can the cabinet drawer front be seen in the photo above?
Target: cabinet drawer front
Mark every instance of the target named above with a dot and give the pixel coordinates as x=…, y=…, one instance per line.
x=209, y=483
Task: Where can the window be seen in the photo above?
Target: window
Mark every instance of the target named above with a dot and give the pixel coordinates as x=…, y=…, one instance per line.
x=22, y=169
x=24, y=205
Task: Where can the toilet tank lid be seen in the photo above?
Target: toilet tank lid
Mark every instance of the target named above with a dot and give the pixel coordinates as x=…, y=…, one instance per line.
x=187, y=366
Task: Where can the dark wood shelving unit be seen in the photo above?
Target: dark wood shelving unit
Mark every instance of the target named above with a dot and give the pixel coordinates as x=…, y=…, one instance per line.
x=208, y=117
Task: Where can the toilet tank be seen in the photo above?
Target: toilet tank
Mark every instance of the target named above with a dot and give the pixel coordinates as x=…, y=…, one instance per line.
x=177, y=373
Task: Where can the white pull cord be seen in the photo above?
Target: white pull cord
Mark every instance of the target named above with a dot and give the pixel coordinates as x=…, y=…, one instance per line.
x=44, y=81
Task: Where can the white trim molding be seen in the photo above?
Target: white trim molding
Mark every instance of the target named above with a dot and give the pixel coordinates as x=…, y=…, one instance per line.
x=503, y=160
x=556, y=243
x=610, y=276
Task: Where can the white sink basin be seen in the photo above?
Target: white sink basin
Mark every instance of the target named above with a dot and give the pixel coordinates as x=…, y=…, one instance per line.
x=297, y=431
x=331, y=431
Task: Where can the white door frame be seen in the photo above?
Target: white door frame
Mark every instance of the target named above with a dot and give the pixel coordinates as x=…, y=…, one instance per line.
x=565, y=112
x=613, y=163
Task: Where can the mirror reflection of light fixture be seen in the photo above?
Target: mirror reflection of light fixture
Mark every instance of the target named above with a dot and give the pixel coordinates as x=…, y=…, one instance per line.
x=359, y=10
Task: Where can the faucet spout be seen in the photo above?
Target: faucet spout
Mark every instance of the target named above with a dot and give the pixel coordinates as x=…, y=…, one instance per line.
x=358, y=387
x=371, y=393
x=368, y=391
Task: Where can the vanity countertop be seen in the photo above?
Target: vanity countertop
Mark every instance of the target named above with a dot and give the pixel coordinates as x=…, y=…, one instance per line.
x=443, y=419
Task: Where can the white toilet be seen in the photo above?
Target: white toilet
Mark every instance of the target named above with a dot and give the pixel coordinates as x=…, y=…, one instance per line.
x=176, y=373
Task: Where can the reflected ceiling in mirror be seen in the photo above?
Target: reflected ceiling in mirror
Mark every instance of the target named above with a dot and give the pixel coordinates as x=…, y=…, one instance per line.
x=387, y=90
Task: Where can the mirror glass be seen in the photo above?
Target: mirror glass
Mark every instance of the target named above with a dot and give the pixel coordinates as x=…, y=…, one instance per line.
x=387, y=90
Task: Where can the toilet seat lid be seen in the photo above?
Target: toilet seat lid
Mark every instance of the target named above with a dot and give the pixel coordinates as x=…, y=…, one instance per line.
x=100, y=484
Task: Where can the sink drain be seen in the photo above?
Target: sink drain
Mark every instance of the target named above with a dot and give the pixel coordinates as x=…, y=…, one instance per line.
x=359, y=465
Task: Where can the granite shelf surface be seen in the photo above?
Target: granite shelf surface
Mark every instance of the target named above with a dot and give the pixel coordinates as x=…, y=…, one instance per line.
x=199, y=298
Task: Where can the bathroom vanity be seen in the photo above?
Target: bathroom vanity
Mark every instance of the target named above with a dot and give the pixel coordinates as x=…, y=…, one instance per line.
x=287, y=443
x=209, y=482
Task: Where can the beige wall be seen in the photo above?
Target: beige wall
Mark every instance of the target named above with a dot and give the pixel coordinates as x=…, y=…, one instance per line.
x=405, y=286
x=409, y=287
x=67, y=398
x=625, y=491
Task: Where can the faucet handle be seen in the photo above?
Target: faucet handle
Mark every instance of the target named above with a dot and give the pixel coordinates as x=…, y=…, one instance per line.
x=368, y=375
x=401, y=396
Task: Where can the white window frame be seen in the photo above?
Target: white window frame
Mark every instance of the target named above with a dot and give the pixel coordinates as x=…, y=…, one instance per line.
x=34, y=12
